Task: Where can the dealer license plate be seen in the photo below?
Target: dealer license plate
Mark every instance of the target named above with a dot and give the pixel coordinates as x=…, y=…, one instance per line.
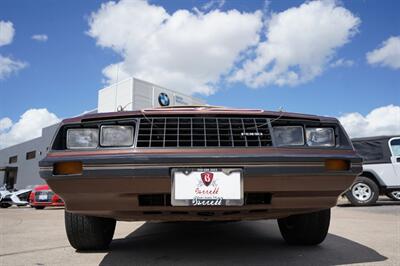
x=207, y=187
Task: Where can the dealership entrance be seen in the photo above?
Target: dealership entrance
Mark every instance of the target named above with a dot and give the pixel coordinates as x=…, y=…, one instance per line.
x=9, y=176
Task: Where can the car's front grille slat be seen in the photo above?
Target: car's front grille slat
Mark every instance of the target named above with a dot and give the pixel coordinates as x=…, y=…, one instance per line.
x=161, y=132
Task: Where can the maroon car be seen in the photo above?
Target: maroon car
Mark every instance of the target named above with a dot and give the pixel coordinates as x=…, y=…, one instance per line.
x=199, y=164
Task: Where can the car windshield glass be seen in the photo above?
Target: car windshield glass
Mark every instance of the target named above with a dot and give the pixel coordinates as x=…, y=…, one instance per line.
x=395, y=144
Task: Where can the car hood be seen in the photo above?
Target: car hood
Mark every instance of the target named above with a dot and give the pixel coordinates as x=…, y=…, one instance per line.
x=196, y=110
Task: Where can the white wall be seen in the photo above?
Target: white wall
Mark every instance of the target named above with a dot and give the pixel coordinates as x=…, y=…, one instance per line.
x=28, y=170
x=118, y=94
x=136, y=94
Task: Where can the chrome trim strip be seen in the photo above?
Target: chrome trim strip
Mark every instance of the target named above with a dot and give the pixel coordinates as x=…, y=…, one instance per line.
x=144, y=166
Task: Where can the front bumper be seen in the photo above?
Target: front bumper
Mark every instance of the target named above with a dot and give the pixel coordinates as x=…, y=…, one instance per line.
x=113, y=185
x=47, y=204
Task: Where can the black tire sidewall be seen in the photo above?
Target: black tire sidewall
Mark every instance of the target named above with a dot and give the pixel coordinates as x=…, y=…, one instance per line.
x=305, y=229
x=88, y=232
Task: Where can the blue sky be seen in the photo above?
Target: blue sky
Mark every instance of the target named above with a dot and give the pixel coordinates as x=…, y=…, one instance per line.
x=64, y=73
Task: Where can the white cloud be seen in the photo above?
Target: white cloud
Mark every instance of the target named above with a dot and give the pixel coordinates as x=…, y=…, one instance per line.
x=9, y=66
x=187, y=50
x=213, y=4
x=29, y=126
x=5, y=123
x=6, y=32
x=341, y=62
x=40, y=37
x=388, y=54
x=300, y=43
x=383, y=120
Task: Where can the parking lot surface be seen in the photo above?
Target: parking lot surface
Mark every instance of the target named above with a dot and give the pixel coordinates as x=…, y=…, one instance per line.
x=358, y=235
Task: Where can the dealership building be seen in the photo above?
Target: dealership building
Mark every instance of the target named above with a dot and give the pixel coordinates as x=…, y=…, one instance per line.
x=19, y=163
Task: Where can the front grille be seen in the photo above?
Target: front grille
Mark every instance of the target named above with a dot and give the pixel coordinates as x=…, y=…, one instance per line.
x=154, y=200
x=165, y=199
x=258, y=198
x=203, y=132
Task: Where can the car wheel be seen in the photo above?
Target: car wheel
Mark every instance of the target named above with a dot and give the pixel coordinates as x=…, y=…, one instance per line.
x=39, y=207
x=88, y=232
x=394, y=195
x=305, y=229
x=363, y=192
x=5, y=205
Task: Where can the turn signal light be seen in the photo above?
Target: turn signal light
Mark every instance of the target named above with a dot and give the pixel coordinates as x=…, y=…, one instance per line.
x=337, y=165
x=67, y=168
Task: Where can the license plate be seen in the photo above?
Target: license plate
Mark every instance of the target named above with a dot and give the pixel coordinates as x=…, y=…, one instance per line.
x=207, y=187
x=42, y=197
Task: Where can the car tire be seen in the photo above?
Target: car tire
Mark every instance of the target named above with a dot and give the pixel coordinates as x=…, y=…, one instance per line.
x=88, y=232
x=39, y=207
x=305, y=229
x=363, y=192
x=394, y=195
x=5, y=205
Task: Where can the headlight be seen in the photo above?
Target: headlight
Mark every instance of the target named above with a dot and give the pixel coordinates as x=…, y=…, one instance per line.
x=290, y=135
x=82, y=138
x=320, y=136
x=116, y=136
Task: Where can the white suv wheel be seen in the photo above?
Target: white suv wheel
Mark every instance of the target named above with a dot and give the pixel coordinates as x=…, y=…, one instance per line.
x=361, y=192
x=396, y=194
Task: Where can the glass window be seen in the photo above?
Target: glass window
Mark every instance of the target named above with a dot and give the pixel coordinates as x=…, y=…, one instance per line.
x=395, y=145
x=30, y=155
x=13, y=159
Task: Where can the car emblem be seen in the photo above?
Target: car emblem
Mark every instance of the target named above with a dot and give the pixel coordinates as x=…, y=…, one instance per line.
x=207, y=178
x=163, y=99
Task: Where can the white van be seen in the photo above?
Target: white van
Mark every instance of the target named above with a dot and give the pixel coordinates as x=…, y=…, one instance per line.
x=381, y=170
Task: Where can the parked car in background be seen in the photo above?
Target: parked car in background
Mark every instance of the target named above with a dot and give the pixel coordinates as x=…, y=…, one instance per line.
x=14, y=197
x=199, y=163
x=3, y=193
x=42, y=196
x=381, y=170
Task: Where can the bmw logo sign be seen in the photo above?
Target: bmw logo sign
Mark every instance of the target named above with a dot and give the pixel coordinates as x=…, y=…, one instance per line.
x=163, y=99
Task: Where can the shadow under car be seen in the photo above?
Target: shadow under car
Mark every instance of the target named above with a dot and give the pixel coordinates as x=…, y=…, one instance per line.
x=219, y=243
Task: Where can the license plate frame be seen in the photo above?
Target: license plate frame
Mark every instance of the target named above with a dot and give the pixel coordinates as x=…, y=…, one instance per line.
x=208, y=201
x=43, y=197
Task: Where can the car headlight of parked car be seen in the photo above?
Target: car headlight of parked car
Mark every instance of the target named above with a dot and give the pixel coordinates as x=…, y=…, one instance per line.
x=324, y=137
x=78, y=138
x=116, y=136
x=288, y=135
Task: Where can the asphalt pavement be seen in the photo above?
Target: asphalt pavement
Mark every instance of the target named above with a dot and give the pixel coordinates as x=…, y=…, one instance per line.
x=358, y=235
